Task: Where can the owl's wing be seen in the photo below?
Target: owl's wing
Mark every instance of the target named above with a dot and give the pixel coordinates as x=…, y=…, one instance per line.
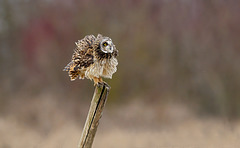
x=80, y=60
x=82, y=57
x=86, y=42
x=72, y=71
x=83, y=53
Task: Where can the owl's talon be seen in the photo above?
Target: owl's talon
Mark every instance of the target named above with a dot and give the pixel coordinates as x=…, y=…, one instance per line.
x=97, y=81
x=104, y=84
x=100, y=84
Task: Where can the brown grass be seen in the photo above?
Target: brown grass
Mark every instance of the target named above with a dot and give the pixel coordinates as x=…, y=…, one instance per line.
x=120, y=128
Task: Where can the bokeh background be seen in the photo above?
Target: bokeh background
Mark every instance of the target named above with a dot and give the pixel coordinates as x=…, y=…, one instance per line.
x=177, y=84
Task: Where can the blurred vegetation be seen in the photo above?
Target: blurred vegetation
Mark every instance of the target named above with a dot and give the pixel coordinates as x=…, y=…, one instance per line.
x=184, y=51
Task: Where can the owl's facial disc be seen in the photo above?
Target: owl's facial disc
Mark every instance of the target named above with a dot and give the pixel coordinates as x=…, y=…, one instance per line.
x=106, y=46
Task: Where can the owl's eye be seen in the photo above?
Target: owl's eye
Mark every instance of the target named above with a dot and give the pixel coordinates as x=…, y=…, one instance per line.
x=105, y=44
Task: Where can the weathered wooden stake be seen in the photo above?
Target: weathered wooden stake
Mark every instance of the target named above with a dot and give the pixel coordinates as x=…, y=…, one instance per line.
x=95, y=112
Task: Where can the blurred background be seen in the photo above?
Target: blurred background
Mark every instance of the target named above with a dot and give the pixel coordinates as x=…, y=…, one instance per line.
x=177, y=83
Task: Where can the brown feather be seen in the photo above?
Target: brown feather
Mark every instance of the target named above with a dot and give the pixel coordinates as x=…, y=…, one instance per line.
x=89, y=61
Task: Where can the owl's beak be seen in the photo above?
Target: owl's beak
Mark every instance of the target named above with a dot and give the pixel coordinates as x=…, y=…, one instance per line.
x=109, y=49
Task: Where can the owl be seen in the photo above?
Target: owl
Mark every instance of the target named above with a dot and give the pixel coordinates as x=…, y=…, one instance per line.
x=94, y=58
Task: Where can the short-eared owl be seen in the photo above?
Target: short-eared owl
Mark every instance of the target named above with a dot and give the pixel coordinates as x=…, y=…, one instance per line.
x=93, y=58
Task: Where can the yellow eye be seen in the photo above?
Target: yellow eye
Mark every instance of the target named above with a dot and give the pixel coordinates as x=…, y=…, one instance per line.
x=105, y=44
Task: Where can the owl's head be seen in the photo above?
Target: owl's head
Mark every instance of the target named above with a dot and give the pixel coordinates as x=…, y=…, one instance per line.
x=106, y=45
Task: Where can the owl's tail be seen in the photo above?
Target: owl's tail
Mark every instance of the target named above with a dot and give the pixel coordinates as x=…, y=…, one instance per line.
x=69, y=65
x=72, y=70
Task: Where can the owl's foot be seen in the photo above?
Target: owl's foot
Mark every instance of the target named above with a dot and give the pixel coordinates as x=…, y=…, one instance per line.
x=100, y=84
x=97, y=80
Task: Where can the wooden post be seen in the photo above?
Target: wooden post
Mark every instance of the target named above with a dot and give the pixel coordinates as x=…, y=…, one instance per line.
x=95, y=112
